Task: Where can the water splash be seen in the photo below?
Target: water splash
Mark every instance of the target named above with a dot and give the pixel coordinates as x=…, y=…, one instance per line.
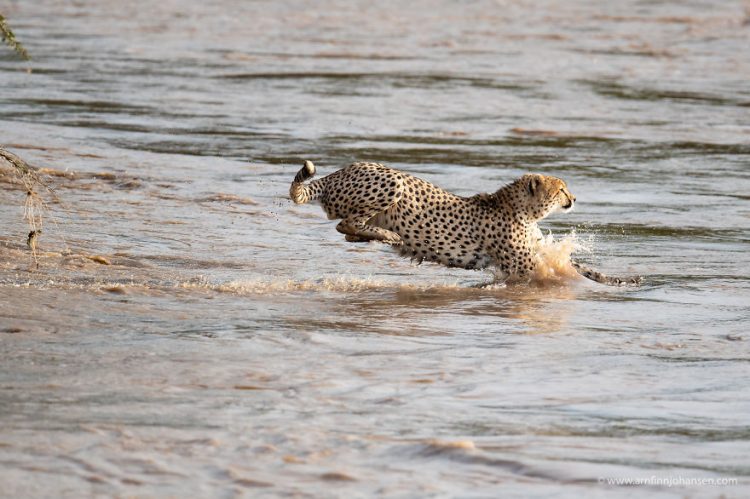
x=553, y=258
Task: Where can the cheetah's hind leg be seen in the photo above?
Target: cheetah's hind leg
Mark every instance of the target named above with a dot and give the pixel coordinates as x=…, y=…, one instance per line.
x=357, y=239
x=360, y=220
x=356, y=229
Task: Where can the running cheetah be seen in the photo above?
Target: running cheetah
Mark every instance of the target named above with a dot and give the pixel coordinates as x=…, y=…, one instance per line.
x=428, y=223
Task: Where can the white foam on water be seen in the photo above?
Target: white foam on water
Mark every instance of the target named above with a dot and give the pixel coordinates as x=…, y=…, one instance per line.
x=343, y=284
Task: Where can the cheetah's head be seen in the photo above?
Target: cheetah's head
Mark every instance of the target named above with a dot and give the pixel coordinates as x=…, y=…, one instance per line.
x=540, y=196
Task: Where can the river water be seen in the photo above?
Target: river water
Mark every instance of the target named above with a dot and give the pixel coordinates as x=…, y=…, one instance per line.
x=190, y=332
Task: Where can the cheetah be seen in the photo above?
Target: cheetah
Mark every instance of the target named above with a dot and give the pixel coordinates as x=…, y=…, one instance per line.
x=427, y=223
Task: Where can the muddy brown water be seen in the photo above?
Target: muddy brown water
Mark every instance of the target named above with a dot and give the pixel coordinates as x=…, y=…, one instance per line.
x=189, y=331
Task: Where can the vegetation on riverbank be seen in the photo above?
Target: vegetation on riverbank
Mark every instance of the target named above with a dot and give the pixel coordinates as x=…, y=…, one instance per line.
x=35, y=205
x=10, y=39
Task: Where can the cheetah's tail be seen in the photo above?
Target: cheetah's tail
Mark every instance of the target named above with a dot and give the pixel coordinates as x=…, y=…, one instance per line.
x=299, y=192
x=605, y=279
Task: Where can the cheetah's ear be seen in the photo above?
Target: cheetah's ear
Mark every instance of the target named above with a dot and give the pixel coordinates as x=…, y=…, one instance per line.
x=533, y=186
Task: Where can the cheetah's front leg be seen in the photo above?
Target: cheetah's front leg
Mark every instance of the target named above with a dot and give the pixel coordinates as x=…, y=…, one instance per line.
x=357, y=230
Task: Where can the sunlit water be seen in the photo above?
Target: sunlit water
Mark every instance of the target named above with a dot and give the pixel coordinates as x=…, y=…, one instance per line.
x=237, y=345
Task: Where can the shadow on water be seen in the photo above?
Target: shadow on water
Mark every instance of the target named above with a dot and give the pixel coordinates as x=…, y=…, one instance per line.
x=653, y=232
x=617, y=90
x=394, y=80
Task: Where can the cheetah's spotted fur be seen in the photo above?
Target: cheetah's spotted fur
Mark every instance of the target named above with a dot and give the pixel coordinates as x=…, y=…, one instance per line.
x=428, y=223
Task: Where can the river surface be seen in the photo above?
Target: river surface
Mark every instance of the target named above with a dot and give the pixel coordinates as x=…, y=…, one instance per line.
x=188, y=331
